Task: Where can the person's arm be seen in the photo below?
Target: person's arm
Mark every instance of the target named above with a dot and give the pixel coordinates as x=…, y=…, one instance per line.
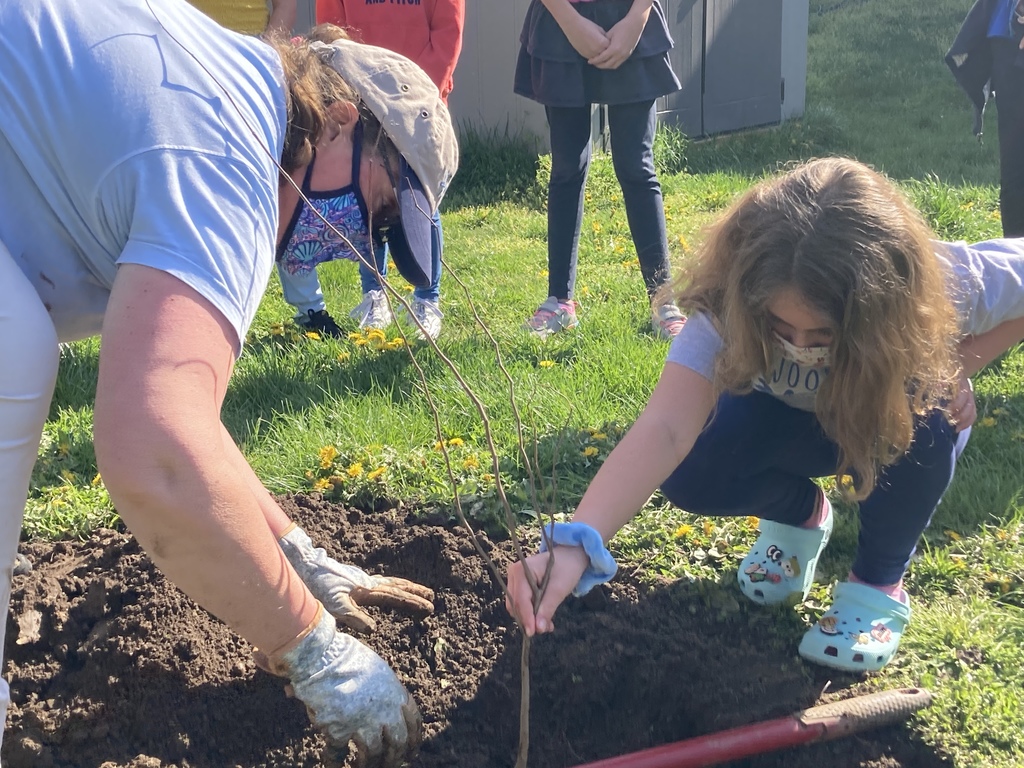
x=586, y=37
x=653, y=447
x=978, y=351
x=166, y=359
x=623, y=37
x=442, y=53
x=283, y=14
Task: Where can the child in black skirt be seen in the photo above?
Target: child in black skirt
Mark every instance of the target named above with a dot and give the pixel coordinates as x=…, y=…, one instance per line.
x=576, y=53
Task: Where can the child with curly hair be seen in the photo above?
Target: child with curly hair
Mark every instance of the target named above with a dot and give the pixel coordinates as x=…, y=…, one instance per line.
x=829, y=334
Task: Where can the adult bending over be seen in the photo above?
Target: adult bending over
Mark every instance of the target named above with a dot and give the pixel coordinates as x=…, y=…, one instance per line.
x=140, y=198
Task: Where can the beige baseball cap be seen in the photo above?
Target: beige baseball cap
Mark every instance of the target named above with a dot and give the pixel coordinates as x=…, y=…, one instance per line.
x=410, y=110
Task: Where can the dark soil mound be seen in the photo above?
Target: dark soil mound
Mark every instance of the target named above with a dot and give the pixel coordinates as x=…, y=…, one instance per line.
x=111, y=666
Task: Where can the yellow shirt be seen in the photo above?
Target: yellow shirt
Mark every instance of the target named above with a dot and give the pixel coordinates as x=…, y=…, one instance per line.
x=248, y=16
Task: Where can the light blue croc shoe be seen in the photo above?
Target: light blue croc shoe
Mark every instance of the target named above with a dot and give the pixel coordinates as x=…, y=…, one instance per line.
x=780, y=565
x=860, y=632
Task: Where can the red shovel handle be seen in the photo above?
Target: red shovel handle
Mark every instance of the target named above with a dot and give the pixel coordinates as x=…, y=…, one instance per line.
x=828, y=721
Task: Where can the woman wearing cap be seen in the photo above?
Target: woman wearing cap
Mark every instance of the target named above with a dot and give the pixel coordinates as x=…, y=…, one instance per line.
x=140, y=197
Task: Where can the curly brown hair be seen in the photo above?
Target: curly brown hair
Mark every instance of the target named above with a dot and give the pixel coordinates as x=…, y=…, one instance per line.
x=312, y=87
x=846, y=240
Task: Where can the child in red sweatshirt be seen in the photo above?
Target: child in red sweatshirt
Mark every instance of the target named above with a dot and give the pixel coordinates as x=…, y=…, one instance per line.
x=430, y=33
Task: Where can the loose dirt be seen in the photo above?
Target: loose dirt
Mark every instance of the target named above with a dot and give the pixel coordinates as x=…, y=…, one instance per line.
x=111, y=666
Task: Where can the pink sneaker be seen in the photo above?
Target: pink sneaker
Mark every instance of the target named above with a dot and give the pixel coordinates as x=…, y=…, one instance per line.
x=667, y=321
x=553, y=316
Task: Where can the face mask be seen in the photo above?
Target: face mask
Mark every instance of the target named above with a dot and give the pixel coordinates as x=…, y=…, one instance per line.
x=811, y=357
x=308, y=241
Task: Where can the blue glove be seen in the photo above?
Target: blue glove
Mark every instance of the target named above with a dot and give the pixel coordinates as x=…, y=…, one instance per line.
x=602, y=565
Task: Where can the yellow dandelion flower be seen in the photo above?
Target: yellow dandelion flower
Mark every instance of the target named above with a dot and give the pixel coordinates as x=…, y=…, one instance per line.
x=456, y=442
x=277, y=329
x=952, y=534
x=753, y=521
x=543, y=273
x=378, y=342
x=471, y=462
x=69, y=476
x=487, y=478
x=309, y=474
x=313, y=335
x=438, y=445
x=327, y=456
x=683, y=530
x=597, y=226
x=584, y=291
x=988, y=421
x=343, y=356
x=355, y=335
x=709, y=527
x=599, y=436
x=589, y=451
x=396, y=343
x=375, y=333
x=376, y=473
x=360, y=342
x=683, y=244
x=321, y=484
x=1000, y=533
x=97, y=481
x=354, y=470
x=546, y=363
x=336, y=480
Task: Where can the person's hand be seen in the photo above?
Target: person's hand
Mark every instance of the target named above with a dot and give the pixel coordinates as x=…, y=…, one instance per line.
x=622, y=40
x=569, y=565
x=343, y=589
x=351, y=695
x=962, y=409
x=589, y=39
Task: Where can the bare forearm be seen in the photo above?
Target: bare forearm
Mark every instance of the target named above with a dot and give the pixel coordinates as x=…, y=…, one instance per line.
x=562, y=10
x=978, y=351
x=275, y=517
x=641, y=7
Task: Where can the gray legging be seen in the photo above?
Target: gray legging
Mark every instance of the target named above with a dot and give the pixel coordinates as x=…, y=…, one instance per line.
x=632, y=129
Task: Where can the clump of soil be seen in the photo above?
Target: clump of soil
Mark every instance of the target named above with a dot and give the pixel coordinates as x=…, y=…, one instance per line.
x=111, y=666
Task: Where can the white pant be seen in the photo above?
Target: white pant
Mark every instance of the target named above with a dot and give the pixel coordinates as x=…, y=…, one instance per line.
x=29, y=354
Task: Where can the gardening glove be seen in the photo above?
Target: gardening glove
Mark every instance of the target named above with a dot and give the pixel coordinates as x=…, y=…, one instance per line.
x=351, y=694
x=343, y=589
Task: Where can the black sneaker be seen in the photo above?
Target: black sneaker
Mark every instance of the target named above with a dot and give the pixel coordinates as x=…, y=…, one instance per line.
x=321, y=322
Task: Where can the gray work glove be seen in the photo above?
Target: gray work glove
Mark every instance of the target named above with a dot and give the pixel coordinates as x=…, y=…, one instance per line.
x=344, y=588
x=351, y=695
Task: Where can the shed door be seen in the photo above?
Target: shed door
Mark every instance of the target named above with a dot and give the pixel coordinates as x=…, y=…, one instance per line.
x=742, y=64
x=683, y=108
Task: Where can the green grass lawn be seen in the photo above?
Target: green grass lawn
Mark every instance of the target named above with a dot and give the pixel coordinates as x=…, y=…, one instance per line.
x=350, y=418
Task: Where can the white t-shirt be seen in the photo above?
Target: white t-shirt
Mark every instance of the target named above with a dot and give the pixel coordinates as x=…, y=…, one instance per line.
x=986, y=287
x=137, y=131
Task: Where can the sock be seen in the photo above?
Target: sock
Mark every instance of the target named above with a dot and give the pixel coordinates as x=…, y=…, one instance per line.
x=895, y=591
x=821, y=515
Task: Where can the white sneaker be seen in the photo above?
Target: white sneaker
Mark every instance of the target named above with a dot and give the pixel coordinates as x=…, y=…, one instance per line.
x=667, y=321
x=373, y=311
x=429, y=315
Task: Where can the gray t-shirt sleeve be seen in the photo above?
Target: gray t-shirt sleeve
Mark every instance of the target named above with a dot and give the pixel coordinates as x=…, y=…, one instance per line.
x=696, y=346
x=206, y=220
x=987, y=282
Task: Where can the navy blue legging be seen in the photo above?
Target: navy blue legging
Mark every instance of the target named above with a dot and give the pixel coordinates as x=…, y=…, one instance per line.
x=632, y=128
x=756, y=457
